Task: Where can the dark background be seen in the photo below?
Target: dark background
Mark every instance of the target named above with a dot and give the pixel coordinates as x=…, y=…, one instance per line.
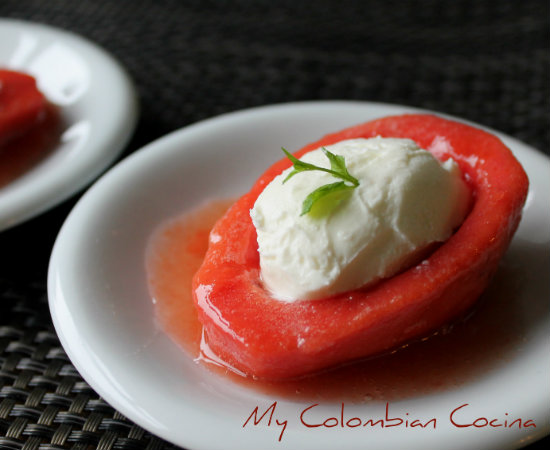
x=486, y=61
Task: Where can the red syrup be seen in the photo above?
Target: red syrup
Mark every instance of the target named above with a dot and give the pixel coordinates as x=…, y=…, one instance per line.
x=472, y=346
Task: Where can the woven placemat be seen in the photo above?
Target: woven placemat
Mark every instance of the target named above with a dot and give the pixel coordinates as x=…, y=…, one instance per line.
x=44, y=403
x=487, y=61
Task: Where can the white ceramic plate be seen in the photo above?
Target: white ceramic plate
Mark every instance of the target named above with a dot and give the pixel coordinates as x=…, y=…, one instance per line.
x=103, y=313
x=98, y=107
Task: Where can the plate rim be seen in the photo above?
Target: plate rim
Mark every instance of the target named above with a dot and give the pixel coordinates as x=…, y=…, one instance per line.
x=166, y=141
x=23, y=206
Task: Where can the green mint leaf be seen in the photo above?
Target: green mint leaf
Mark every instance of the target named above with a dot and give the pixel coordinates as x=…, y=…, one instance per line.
x=321, y=195
x=299, y=166
x=290, y=175
x=316, y=197
x=337, y=162
x=338, y=165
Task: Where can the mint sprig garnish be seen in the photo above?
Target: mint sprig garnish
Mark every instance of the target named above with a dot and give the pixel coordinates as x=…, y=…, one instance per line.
x=337, y=169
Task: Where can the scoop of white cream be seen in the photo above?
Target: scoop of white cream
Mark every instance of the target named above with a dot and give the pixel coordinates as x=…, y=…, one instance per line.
x=406, y=200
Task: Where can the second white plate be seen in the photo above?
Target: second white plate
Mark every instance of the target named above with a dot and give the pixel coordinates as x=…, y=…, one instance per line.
x=103, y=314
x=98, y=109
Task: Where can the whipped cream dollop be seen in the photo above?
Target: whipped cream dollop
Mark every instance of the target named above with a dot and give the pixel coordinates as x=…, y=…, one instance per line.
x=405, y=201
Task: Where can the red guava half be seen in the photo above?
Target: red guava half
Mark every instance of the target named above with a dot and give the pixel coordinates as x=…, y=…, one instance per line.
x=22, y=105
x=267, y=338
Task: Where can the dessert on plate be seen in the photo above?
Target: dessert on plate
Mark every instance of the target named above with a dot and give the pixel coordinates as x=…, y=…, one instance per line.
x=267, y=318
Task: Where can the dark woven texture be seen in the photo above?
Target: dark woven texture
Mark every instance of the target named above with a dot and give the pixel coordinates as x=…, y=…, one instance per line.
x=487, y=61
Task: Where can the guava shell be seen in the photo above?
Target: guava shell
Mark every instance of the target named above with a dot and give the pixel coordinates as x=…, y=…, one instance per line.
x=267, y=338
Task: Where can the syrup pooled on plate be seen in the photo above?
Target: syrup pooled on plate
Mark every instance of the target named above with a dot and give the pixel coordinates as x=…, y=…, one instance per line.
x=447, y=359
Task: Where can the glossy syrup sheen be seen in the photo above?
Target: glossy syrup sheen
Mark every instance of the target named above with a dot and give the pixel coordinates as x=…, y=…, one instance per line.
x=447, y=359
